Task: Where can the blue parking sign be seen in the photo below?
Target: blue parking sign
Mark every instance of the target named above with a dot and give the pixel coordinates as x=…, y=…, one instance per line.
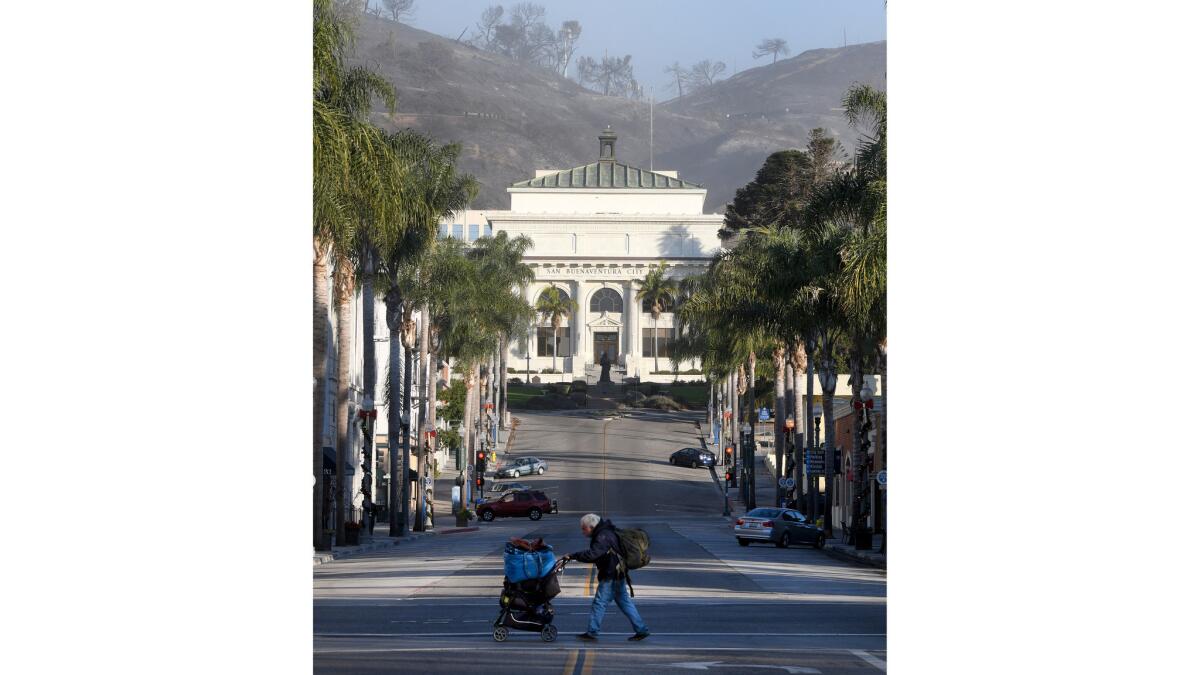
x=764, y=415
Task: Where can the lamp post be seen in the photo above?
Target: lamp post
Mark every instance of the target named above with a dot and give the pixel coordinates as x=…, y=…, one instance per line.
x=789, y=428
x=862, y=533
x=366, y=416
x=813, y=446
x=529, y=338
x=748, y=483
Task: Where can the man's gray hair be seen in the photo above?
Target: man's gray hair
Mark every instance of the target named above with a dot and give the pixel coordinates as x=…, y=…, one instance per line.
x=591, y=520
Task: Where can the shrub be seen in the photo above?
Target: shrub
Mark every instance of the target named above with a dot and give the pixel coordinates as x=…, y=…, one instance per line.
x=660, y=402
x=515, y=380
x=511, y=370
x=550, y=371
x=651, y=388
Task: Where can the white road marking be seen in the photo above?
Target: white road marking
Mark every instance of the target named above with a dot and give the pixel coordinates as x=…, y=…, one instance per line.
x=882, y=665
x=705, y=665
x=657, y=634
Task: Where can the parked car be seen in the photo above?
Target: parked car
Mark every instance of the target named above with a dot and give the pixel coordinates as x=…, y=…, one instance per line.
x=782, y=527
x=531, y=503
x=522, y=466
x=693, y=457
x=501, y=488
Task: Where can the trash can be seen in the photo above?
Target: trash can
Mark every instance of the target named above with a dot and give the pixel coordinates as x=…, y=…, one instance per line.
x=862, y=539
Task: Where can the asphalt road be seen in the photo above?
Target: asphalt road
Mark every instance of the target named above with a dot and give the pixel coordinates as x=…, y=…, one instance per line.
x=428, y=606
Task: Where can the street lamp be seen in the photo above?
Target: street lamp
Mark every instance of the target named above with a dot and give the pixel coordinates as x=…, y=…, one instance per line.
x=790, y=426
x=748, y=496
x=815, y=447
x=862, y=533
x=367, y=415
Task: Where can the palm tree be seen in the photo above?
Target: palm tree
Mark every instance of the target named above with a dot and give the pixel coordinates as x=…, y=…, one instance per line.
x=432, y=191
x=350, y=173
x=554, y=307
x=657, y=289
x=502, y=259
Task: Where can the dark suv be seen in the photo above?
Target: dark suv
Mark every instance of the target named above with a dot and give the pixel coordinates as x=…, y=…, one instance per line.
x=532, y=503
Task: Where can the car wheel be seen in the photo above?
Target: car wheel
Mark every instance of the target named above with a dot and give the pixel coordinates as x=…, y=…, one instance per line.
x=535, y=513
x=784, y=540
x=743, y=542
x=541, y=470
x=820, y=543
x=487, y=515
x=693, y=463
x=672, y=461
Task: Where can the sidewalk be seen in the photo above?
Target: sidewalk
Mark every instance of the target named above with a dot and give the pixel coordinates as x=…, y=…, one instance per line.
x=379, y=541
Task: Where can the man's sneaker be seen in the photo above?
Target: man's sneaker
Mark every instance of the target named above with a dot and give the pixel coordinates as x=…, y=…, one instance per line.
x=588, y=636
x=639, y=636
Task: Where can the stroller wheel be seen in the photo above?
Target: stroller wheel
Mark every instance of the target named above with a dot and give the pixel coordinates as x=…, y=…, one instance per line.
x=549, y=633
x=500, y=634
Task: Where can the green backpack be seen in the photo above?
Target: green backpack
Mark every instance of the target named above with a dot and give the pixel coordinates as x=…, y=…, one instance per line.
x=635, y=548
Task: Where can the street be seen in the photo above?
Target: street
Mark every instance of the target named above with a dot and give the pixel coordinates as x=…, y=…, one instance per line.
x=711, y=605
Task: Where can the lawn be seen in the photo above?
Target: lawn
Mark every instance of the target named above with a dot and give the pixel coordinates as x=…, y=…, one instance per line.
x=519, y=394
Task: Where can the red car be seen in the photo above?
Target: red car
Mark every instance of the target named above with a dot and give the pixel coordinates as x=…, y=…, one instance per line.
x=532, y=503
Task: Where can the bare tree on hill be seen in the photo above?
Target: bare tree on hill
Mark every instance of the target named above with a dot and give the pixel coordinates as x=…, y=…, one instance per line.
x=399, y=9
x=772, y=46
x=680, y=73
x=705, y=73
x=610, y=76
x=525, y=37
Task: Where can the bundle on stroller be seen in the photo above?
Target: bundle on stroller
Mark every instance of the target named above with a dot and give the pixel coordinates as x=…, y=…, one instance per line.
x=530, y=582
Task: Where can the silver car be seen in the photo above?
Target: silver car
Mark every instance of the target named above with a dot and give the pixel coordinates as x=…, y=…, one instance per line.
x=782, y=527
x=522, y=466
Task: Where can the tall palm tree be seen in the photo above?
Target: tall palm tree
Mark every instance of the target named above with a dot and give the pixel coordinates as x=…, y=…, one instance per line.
x=350, y=172
x=502, y=258
x=658, y=290
x=554, y=305
x=432, y=190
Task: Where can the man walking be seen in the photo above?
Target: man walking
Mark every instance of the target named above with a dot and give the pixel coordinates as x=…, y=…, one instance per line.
x=604, y=553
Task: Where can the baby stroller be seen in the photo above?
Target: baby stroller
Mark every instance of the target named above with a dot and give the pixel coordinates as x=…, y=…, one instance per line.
x=525, y=604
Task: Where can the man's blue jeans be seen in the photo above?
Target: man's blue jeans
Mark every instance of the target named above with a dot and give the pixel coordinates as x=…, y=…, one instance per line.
x=614, y=589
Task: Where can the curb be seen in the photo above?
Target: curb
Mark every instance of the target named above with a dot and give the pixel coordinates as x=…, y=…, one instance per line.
x=836, y=552
x=322, y=557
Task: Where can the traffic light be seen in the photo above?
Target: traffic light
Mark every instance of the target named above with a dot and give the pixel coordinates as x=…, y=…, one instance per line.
x=728, y=477
x=729, y=455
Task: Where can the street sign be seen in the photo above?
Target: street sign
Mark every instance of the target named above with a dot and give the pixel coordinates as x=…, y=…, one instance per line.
x=763, y=415
x=470, y=469
x=789, y=482
x=783, y=482
x=881, y=478
x=816, y=460
x=428, y=482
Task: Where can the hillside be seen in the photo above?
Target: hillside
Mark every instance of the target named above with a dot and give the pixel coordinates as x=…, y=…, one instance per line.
x=511, y=120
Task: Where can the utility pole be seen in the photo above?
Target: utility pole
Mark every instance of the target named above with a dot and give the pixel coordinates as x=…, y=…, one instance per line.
x=652, y=130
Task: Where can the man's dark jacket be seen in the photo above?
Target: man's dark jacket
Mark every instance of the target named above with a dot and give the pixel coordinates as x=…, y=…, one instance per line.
x=604, y=540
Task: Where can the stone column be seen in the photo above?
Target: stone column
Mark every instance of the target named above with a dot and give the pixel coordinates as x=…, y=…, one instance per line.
x=635, y=330
x=627, y=343
x=578, y=330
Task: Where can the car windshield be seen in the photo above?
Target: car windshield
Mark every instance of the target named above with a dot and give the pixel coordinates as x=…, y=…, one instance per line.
x=763, y=513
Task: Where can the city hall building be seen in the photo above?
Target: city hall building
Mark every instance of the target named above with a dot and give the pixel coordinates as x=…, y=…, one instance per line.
x=597, y=230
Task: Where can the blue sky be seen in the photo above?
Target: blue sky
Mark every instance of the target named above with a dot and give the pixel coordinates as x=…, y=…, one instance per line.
x=660, y=32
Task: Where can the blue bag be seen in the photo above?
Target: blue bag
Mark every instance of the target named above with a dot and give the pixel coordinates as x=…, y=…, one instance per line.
x=520, y=565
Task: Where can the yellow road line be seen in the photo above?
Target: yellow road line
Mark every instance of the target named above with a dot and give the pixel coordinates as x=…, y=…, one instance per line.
x=588, y=657
x=569, y=669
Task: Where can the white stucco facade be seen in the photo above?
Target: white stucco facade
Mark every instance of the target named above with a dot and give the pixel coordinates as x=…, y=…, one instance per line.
x=604, y=225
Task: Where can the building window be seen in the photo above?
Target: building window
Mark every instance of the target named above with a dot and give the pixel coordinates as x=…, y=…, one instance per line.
x=668, y=305
x=487, y=229
x=666, y=341
x=474, y=232
x=443, y=230
x=546, y=348
x=458, y=234
x=607, y=300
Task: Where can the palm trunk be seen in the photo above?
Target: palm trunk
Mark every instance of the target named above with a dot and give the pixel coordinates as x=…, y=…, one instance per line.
x=368, y=454
x=859, y=457
x=342, y=298
x=810, y=433
x=320, y=381
x=554, y=345
x=395, y=526
x=504, y=381
x=778, y=359
x=828, y=374
x=799, y=432
x=422, y=420
x=655, y=317
x=431, y=398
x=405, y=485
